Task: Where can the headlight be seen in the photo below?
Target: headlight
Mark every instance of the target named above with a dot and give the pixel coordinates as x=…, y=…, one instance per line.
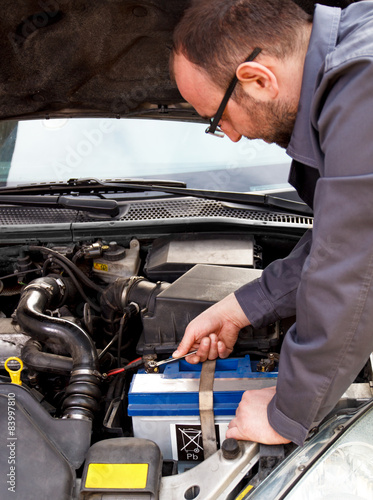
x=320, y=470
x=345, y=472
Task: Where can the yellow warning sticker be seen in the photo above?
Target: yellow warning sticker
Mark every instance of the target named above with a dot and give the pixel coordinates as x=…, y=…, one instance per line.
x=100, y=267
x=109, y=476
x=243, y=492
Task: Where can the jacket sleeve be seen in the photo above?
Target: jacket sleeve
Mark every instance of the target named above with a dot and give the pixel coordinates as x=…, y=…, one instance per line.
x=272, y=296
x=332, y=339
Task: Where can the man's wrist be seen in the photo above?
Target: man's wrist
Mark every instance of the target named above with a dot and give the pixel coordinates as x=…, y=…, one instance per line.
x=285, y=426
x=239, y=315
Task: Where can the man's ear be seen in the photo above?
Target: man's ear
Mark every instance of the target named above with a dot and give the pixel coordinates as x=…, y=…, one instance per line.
x=258, y=81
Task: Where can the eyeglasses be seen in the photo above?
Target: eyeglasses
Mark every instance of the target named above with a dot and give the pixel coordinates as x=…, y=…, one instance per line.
x=214, y=128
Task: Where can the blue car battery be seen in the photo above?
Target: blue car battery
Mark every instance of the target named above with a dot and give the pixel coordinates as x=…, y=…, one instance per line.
x=164, y=406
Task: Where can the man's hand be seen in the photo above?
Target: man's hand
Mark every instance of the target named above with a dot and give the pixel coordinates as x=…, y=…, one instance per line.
x=214, y=332
x=251, y=422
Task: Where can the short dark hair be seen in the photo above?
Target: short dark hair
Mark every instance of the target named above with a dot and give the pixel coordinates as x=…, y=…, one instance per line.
x=218, y=35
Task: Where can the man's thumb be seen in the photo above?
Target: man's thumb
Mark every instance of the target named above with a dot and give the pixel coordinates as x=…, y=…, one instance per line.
x=183, y=348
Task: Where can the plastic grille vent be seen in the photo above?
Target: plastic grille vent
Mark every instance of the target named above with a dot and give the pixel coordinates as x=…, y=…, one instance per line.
x=10, y=216
x=193, y=208
x=188, y=208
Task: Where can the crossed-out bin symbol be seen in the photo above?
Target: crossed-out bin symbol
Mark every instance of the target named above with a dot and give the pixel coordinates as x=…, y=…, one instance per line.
x=192, y=440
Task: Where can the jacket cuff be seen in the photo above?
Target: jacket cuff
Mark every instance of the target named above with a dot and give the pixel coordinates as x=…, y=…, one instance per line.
x=259, y=310
x=284, y=425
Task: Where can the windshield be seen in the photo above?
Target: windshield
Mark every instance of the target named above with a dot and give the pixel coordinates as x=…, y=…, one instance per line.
x=61, y=149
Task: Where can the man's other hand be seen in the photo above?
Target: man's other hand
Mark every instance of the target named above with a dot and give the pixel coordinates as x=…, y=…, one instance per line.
x=214, y=332
x=251, y=422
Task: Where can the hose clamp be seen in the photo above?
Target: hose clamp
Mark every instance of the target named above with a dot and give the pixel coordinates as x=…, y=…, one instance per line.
x=76, y=416
x=40, y=285
x=61, y=286
x=85, y=371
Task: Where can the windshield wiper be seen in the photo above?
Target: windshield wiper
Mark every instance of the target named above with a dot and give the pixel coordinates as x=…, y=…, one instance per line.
x=89, y=185
x=93, y=205
x=94, y=186
x=261, y=200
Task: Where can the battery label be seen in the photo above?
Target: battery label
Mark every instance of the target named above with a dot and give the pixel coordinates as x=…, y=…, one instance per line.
x=189, y=442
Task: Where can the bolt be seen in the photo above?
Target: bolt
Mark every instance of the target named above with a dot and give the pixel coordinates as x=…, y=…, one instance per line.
x=230, y=448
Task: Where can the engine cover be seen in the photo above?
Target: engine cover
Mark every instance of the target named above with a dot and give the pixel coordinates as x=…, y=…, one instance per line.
x=166, y=317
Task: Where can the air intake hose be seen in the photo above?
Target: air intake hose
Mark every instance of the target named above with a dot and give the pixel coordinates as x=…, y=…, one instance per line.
x=82, y=393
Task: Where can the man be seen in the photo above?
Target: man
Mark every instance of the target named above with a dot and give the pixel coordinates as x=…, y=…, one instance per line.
x=306, y=84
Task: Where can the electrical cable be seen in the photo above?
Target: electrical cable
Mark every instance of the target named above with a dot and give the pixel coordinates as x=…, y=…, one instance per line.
x=61, y=264
x=136, y=363
x=70, y=264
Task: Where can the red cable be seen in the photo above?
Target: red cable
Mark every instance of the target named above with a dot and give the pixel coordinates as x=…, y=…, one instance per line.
x=120, y=370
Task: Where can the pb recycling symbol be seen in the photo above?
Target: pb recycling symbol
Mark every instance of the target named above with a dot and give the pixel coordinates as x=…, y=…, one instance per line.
x=189, y=442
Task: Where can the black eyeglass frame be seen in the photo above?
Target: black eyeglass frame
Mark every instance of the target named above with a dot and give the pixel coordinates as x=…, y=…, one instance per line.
x=214, y=122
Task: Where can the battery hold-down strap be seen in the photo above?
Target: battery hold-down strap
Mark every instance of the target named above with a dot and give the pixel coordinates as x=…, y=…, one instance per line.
x=206, y=408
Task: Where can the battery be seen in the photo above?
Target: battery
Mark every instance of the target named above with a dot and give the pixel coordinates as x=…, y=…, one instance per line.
x=164, y=406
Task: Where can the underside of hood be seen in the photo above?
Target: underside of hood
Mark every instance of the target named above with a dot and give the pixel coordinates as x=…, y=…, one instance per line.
x=86, y=56
x=89, y=57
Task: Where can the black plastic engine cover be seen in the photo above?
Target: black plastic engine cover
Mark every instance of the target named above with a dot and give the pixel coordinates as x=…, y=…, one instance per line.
x=38, y=453
x=122, y=468
x=167, y=316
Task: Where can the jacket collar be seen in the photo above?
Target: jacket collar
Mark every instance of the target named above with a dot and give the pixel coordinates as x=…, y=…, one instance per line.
x=322, y=41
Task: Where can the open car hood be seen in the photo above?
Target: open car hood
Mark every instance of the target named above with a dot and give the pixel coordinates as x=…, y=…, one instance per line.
x=96, y=57
x=89, y=57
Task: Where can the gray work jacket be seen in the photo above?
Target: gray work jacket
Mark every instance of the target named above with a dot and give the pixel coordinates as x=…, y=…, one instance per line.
x=327, y=280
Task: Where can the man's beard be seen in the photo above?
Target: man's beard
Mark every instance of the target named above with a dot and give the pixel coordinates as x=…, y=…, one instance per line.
x=273, y=121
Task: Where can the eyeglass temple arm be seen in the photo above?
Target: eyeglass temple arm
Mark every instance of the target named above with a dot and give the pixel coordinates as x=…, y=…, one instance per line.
x=215, y=122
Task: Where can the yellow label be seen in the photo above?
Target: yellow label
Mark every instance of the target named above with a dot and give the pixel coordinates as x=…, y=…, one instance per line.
x=131, y=476
x=243, y=493
x=100, y=267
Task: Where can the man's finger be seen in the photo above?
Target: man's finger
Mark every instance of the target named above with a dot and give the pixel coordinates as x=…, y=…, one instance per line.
x=203, y=351
x=235, y=433
x=223, y=350
x=184, y=347
x=232, y=423
x=213, y=352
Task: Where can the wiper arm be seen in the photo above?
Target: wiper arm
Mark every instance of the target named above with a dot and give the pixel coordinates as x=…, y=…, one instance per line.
x=173, y=187
x=94, y=205
x=261, y=200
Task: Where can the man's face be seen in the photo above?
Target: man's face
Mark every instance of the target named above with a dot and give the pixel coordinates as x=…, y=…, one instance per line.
x=272, y=121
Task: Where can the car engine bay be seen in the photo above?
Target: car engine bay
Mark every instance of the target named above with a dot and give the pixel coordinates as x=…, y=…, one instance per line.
x=89, y=322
